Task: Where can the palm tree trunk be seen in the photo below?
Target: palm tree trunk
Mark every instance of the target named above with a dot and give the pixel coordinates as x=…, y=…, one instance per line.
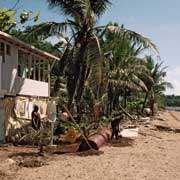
x=145, y=100
x=110, y=99
x=153, y=102
x=125, y=99
x=72, y=80
x=80, y=86
x=63, y=62
x=75, y=70
x=56, y=87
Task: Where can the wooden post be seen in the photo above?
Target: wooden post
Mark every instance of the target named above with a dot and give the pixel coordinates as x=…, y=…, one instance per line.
x=39, y=70
x=52, y=133
x=29, y=65
x=44, y=70
x=34, y=68
x=49, y=79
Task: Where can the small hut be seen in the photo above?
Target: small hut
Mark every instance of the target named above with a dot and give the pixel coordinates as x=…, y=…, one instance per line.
x=24, y=81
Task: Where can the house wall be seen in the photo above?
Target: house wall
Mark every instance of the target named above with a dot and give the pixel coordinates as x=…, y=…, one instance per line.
x=0, y=72
x=13, y=84
x=2, y=122
x=9, y=68
x=15, y=114
x=30, y=87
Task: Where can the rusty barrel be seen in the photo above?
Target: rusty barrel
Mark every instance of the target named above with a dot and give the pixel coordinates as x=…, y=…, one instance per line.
x=96, y=140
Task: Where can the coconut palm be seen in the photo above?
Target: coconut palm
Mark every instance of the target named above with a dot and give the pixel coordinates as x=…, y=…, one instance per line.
x=125, y=67
x=158, y=85
x=83, y=56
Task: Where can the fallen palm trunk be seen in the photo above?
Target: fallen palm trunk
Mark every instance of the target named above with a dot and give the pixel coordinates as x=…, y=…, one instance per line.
x=96, y=140
x=80, y=130
x=125, y=112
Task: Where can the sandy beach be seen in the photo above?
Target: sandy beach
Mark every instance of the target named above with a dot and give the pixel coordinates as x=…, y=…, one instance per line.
x=154, y=155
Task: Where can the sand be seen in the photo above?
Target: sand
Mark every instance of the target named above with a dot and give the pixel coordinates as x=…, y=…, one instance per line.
x=154, y=155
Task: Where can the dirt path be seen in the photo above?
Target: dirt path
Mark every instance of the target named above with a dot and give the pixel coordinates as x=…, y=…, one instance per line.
x=153, y=156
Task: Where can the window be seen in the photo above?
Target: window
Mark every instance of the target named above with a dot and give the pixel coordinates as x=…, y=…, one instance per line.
x=23, y=69
x=35, y=68
x=2, y=53
x=8, y=49
x=32, y=67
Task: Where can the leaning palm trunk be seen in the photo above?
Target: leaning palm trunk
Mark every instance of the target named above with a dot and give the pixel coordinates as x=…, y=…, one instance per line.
x=145, y=101
x=76, y=70
x=80, y=86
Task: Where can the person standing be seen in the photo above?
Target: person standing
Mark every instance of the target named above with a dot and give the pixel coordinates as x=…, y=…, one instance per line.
x=35, y=116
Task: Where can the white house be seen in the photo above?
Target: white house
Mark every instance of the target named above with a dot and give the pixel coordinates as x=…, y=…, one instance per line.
x=24, y=80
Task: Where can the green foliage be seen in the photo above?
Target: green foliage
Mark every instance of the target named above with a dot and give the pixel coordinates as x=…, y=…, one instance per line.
x=161, y=101
x=24, y=16
x=98, y=64
x=36, y=17
x=172, y=100
x=84, y=62
x=8, y=19
x=41, y=44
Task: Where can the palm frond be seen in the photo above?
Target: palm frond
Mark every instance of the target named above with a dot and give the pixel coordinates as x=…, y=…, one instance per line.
x=169, y=85
x=121, y=32
x=99, y=6
x=79, y=10
x=45, y=30
x=97, y=78
x=68, y=7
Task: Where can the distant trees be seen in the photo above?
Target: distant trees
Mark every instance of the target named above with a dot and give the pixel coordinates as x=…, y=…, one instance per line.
x=172, y=100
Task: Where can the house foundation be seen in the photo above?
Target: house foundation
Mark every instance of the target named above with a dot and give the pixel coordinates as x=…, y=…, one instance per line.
x=15, y=112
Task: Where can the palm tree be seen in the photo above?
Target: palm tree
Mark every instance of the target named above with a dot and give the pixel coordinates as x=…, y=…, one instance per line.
x=157, y=85
x=83, y=48
x=125, y=67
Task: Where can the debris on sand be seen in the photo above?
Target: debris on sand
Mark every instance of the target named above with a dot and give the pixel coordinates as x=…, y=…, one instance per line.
x=132, y=132
x=167, y=128
x=32, y=163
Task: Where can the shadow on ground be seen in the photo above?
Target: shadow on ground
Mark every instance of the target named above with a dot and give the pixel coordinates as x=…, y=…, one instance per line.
x=121, y=142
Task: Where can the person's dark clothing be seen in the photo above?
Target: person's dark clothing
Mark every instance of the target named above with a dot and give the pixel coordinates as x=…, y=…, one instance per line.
x=36, y=120
x=115, y=128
